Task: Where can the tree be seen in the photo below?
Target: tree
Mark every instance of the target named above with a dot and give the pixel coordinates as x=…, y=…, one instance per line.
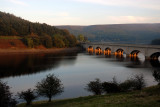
x=49, y=86
x=48, y=41
x=81, y=37
x=95, y=87
x=6, y=99
x=28, y=41
x=58, y=41
x=28, y=96
x=35, y=38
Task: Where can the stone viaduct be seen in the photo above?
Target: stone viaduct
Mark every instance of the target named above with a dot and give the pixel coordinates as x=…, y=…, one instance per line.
x=149, y=51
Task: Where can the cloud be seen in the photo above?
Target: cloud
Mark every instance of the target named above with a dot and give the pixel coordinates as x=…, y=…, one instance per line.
x=53, y=18
x=151, y=4
x=19, y=2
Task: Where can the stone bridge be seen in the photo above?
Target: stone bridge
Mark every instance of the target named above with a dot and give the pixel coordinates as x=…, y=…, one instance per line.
x=149, y=51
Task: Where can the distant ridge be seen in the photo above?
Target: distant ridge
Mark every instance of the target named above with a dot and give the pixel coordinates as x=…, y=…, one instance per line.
x=123, y=33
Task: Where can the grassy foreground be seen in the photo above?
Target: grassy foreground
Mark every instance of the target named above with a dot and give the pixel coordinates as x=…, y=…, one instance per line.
x=148, y=97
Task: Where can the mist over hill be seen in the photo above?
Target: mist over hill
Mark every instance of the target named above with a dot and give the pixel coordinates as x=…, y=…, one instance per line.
x=121, y=33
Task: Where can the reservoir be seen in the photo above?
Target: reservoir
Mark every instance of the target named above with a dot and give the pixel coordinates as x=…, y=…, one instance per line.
x=75, y=70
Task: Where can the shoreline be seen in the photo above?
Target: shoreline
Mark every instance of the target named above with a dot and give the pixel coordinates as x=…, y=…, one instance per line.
x=36, y=51
x=148, y=96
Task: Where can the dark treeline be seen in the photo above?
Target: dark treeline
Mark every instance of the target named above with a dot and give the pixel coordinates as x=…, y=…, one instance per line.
x=34, y=34
x=156, y=42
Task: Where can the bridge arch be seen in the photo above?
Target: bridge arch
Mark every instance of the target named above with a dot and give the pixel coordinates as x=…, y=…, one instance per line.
x=90, y=49
x=134, y=53
x=120, y=51
x=107, y=51
x=137, y=55
x=155, y=56
x=98, y=50
x=155, y=59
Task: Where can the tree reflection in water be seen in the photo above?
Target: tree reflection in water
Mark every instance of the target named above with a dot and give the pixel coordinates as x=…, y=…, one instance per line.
x=21, y=64
x=156, y=75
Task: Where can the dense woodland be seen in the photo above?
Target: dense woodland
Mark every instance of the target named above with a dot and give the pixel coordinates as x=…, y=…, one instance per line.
x=34, y=34
x=121, y=33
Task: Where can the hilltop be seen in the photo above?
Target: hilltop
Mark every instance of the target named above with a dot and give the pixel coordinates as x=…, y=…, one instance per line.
x=32, y=34
x=122, y=33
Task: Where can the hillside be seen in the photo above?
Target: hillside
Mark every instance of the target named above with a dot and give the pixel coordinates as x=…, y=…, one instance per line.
x=123, y=33
x=33, y=34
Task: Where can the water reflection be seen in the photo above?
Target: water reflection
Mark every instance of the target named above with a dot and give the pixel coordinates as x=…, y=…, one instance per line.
x=90, y=52
x=155, y=63
x=137, y=60
x=156, y=75
x=120, y=57
x=16, y=65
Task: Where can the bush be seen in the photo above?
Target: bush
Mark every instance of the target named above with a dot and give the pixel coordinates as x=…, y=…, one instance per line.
x=49, y=87
x=136, y=83
x=127, y=85
x=110, y=87
x=95, y=87
x=28, y=96
x=6, y=99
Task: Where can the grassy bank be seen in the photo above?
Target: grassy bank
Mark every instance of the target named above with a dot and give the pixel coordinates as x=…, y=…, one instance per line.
x=148, y=97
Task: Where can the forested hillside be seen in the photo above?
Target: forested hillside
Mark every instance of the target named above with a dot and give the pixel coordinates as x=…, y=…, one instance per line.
x=34, y=34
x=123, y=33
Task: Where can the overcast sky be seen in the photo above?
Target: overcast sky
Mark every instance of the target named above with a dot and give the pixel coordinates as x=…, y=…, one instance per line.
x=84, y=12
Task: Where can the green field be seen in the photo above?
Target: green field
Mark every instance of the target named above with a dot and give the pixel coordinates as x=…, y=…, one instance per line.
x=148, y=97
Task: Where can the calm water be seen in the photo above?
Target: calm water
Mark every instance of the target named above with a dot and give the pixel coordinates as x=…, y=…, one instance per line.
x=74, y=69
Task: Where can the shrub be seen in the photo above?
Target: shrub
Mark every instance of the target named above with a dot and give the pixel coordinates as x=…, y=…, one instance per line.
x=127, y=85
x=136, y=83
x=139, y=82
x=95, y=87
x=110, y=87
x=28, y=96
